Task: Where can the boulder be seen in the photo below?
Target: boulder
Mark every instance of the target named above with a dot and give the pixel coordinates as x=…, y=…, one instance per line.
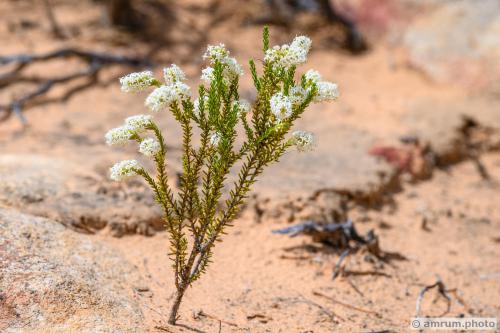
x=459, y=41
x=55, y=280
x=76, y=197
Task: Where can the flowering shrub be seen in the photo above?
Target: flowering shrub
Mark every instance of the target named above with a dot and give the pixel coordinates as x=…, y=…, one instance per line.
x=193, y=217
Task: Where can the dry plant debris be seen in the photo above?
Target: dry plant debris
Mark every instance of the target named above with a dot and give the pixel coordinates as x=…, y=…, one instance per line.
x=95, y=61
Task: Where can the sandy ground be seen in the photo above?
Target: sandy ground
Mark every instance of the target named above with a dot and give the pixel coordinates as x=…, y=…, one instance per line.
x=262, y=282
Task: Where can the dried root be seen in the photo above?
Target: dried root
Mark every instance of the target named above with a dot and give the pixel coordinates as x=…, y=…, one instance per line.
x=95, y=63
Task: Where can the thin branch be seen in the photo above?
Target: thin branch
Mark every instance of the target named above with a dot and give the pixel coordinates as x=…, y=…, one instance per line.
x=442, y=291
x=54, y=26
x=352, y=307
x=337, y=269
x=96, y=62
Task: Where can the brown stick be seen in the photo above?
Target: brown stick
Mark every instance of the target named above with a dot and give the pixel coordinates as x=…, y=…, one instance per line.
x=337, y=269
x=352, y=307
x=96, y=62
x=442, y=291
x=54, y=26
x=204, y=314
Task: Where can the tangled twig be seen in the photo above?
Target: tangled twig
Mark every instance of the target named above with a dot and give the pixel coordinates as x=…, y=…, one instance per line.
x=442, y=291
x=345, y=237
x=96, y=61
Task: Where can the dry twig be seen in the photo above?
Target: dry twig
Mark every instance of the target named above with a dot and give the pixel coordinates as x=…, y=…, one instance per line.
x=345, y=237
x=95, y=63
x=330, y=314
x=54, y=26
x=442, y=291
x=200, y=313
x=352, y=307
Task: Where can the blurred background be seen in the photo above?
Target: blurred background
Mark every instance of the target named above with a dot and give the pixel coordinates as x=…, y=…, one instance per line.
x=409, y=151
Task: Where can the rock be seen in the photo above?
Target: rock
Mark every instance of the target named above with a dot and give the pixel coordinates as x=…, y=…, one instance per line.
x=54, y=280
x=76, y=197
x=458, y=42
x=317, y=185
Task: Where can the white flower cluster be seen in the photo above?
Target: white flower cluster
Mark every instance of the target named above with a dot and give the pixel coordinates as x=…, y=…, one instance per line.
x=312, y=77
x=138, y=123
x=173, y=74
x=119, y=136
x=327, y=91
x=281, y=106
x=216, y=53
x=207, y=75
x=243, y=106
x=285, y=56
x=124, y=169
x=219, y=53
x=297, y=95
x=304, y=141
x=137, y=81
x=164, y=96
x=149, y=147
x=133, y=125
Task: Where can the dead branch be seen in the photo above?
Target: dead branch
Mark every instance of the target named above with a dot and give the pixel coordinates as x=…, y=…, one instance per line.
x=54, y=26
x=354, y=40
x=353, y=286
x=95, y=63
x=442, y=291
x=349, y=306
x=338, y=266
x=201, y=313
x=344, y=237
x=283, y=12
x=330, y=314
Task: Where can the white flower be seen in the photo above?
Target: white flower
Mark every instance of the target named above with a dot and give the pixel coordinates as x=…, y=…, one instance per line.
x=281, y=106
x=138, y=123
x=286, y=55
x=304, y=141
x=207, y=75
x=137, y=81
x=327, y=91
x=196, y=104
x=216, y=52
x=124, y=169
x=313, y=76
x=243, y=106
x=297, y=95
x=164, y=96
x=149, y=147
x=302, y=43
x=119, y=136
x=231, y=69
x=215, y=139
x=173, y=74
